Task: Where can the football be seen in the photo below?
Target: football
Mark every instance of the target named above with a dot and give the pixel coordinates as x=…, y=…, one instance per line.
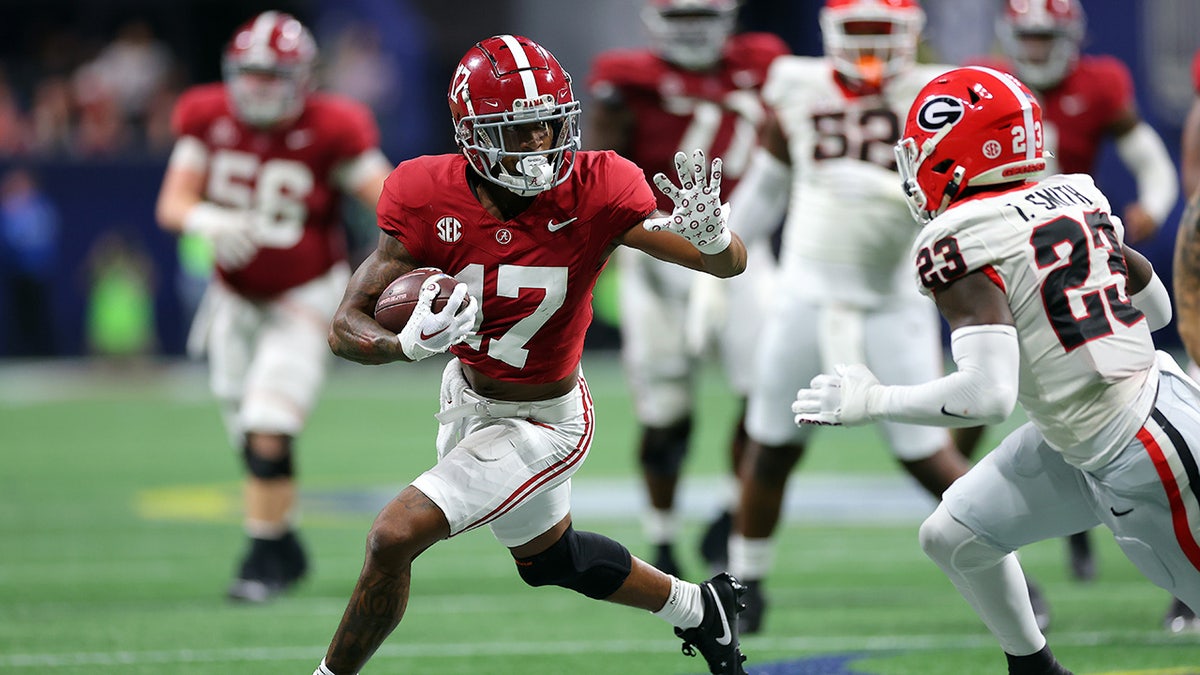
x=396, y=303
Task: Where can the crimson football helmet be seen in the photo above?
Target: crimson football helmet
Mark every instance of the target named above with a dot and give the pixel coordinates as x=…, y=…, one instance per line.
x=870, y=41
x=690, y=33
x=969, y=127
x=504, y=88
x=268, y=68
x=1042, y=38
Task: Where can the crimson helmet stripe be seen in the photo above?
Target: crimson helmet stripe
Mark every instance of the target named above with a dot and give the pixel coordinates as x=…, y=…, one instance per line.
x=1026, y=107
x=523, y=66
x=260, y=36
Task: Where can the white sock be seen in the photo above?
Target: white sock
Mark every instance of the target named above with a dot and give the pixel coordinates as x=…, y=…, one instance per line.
x=684, y=607
x=660, y=526
x=732, y=489
x=750, y=558
x=323, y=669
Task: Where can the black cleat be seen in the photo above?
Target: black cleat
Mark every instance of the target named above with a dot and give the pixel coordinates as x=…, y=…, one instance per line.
x=1180, y=618
x=716, y=638
x=664, y=560
x=755, y=607
x=270, y=567
x=1041, y=608
x=714, y=545
x=1082, y=562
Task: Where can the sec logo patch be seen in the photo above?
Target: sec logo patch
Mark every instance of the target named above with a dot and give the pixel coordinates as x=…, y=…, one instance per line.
x=449, y=229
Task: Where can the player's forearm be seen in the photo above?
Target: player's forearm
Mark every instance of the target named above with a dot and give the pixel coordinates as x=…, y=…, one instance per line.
x=730, y=262
x=1143, y=152
x=1186, y=276
x=981, y=391
x=355, y=336
x=172, y=208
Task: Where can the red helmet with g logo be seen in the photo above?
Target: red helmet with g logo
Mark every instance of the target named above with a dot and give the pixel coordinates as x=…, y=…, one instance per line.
x=968, y=127
x=268, y=68
x=504, y=83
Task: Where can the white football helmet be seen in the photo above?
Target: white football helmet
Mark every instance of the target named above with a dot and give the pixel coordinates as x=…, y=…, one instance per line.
x=690, y=33
x=1042, y=38
x=871, y=41
x=268, y=68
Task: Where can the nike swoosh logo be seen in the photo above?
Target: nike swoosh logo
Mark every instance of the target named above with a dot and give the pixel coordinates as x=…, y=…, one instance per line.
x=1120, y=513
x=555, y=227
x=950, y=414
x=726, y=634
x=433, y=334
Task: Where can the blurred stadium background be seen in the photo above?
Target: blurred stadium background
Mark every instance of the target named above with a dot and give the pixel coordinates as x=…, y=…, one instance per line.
x=116, y=500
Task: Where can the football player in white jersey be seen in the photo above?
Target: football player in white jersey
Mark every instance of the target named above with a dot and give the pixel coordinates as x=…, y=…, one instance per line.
x=1048, y=307
x=843, y=291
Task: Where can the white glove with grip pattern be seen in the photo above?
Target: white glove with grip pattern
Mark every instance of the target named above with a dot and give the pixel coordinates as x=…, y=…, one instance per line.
x=428, y=332
x=699, y=215
x=228, y=230
x=841, y=399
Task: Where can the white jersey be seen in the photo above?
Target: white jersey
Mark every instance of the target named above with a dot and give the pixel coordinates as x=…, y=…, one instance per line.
x=1055, y=249
x=848, y=228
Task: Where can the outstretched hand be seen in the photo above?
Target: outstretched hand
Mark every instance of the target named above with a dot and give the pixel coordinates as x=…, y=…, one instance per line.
x=699, y=216
x=837, y=399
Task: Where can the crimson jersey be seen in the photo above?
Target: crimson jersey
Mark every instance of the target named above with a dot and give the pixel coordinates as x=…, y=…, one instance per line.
x=674, y=109
x=286, y=176
x=1196, y=71
x=532, y=275
x=1080, y=112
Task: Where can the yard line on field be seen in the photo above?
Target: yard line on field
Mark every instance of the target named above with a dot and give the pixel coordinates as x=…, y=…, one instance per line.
x=856, y=643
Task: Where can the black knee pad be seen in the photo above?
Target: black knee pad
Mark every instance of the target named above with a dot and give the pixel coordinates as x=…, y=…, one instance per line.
x=584, y=562
x=664, y=448
x=267, y=469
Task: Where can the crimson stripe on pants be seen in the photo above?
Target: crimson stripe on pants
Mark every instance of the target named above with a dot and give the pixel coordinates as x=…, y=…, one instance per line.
x=549, y=473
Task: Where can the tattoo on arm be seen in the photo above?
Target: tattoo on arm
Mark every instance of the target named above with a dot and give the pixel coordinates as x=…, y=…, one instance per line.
x=1187, y=276
x=354, y=335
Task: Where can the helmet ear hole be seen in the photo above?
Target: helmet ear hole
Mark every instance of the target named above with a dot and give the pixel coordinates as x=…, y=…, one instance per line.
x=942, y=166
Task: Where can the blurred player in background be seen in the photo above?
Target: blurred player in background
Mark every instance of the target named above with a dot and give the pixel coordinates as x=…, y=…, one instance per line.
x=697, y=85
x=1113, y=426
x=526, y=221
x=844, y=290
x=258, y=169
x=1086, y=100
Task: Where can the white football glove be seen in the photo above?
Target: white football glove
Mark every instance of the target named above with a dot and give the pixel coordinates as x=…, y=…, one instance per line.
x=840, y=399
x=428, y=332
x=699, y=215
x=228, y=230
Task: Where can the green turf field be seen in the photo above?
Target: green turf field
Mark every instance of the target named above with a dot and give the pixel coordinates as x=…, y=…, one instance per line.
x=120, y=527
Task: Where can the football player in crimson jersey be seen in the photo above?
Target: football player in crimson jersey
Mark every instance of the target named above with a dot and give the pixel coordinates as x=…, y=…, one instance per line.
x=696, y=83
x=258, y=169
x=1086, y=100
x=525, y=221
x=1048, y=307
x=841, y=289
